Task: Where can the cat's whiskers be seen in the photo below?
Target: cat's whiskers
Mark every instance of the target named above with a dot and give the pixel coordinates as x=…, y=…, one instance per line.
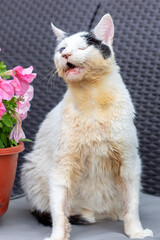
x=51, y=75
x=52, y=69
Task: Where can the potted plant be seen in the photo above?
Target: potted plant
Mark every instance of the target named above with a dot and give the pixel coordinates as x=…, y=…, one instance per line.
x=15, y=96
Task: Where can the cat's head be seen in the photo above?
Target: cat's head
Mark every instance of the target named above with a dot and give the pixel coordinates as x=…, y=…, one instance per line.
x=85, y=56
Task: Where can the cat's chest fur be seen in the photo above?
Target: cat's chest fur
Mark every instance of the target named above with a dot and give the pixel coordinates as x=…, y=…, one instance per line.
x=90, y=135
x=94, y=119
x=87, y=131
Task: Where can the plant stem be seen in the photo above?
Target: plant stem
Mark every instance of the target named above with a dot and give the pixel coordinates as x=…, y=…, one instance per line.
x=7, y=73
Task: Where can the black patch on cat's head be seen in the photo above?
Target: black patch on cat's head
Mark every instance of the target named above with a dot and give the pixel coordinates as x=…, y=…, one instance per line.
x=91, y=40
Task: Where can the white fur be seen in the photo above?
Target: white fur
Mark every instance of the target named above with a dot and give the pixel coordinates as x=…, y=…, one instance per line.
x=68, y=132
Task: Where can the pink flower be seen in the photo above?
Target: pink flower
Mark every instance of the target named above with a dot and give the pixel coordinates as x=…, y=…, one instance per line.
x=24, y=106
x=6, y=90
x=16, y=85
x=2, y=109
x=24, y=77
x=17, y=132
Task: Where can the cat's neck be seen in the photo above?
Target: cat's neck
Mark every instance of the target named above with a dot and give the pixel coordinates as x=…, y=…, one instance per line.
x=91, y=95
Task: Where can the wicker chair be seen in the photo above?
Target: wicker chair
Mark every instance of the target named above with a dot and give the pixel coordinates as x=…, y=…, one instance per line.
x=26, y=39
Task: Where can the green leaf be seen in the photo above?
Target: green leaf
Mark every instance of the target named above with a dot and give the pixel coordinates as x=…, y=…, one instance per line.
x=11, y=104
x=6, y=119
x=2, y=67
x=25, y=140
x=1, y=125
x=5, y=129
x=12, y=143
x=14, y=120
x=2, y=70
x=2, y=64
x=3, y=138
x=1, y=144
x=7, y=77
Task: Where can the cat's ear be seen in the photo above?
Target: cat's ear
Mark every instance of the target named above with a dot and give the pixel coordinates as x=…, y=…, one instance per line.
x=58, y=32
x=104, y=30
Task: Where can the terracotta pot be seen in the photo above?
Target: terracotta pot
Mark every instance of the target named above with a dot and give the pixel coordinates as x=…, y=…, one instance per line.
x=8, y=165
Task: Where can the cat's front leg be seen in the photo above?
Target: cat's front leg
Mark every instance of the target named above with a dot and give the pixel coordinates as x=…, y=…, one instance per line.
x=59, y=202
x=131, y=186
x=63, y=179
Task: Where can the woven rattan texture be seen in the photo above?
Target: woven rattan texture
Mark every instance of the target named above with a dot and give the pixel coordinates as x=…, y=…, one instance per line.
x=26, y=39
x=137, y=49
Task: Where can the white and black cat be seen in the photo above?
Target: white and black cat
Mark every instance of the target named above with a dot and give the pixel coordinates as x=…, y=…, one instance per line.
x=84, y=165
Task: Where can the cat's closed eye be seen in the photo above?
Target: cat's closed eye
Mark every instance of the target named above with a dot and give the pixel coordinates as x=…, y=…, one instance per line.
x=61, y=49
x=82, y=48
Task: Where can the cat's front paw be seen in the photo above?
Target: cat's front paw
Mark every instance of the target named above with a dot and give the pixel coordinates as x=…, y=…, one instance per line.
x=141, y=234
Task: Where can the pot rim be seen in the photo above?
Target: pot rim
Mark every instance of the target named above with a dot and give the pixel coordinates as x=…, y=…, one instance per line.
x=12, y=150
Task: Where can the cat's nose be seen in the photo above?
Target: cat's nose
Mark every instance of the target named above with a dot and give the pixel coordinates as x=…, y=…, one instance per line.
x=66, y=55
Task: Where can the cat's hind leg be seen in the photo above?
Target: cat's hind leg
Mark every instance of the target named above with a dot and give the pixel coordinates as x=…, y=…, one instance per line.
x=85, y=218
x=88, y=215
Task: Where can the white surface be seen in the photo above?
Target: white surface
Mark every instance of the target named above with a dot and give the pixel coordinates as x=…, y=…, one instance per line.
x=19, y=224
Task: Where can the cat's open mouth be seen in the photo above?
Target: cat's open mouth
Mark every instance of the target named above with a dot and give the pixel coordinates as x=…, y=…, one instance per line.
x=73, y=69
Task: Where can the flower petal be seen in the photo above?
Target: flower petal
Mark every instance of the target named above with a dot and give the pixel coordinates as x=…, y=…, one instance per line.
x=16, y=84
x=27, y=70
x=24, y=106
x=2, y=109
x=6, y=89
x=17, y=133
x=24, y=76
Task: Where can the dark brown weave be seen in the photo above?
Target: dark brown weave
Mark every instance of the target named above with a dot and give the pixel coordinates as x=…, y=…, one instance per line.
x=137, y=48
x=26, y=39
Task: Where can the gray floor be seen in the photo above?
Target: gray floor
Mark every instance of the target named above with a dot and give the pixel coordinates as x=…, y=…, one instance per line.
x=19, y=224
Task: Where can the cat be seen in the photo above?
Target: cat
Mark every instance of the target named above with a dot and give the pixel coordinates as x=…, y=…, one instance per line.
x=85, y=166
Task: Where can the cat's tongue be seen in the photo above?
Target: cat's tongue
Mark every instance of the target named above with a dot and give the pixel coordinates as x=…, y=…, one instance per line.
x=75, y=70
